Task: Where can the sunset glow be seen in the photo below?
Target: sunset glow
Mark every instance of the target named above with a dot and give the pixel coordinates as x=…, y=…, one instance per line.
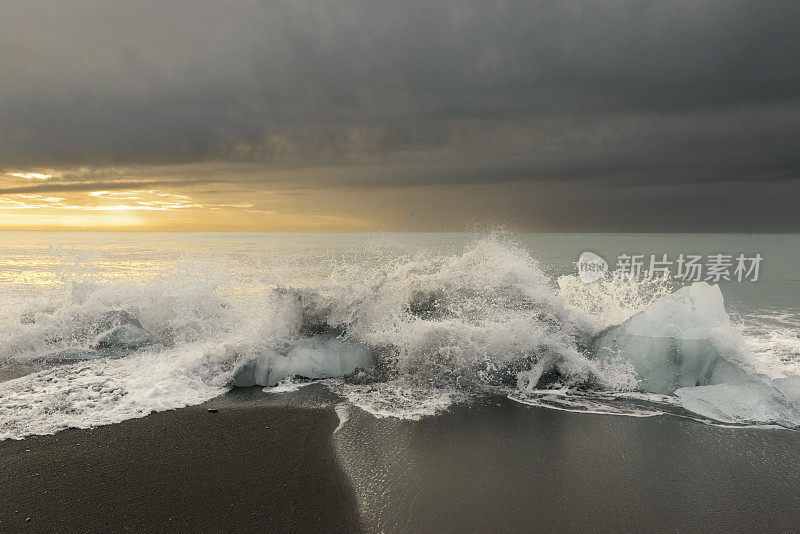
x=31, y=175
x=399, y=266
x=357, y=116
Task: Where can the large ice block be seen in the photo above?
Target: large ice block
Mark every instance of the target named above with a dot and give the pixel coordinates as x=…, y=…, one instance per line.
x=670, y=344
x=316, y=357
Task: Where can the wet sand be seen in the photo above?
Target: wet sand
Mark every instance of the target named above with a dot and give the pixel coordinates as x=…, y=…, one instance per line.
x=499, y=466
x=271, y=463
x=250, y=467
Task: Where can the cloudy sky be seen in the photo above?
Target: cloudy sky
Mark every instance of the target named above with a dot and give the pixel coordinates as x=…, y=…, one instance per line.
x=364, y=115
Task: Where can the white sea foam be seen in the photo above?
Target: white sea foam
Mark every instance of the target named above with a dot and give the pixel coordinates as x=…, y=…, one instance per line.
x=610, y=403
x=103, y=391
x=287, y=385
x=343, y=413
x=413, y=330
x=398, y=399
x=772, y=342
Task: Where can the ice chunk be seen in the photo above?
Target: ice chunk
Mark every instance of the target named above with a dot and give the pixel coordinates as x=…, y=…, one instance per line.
x=121, y=330
x=669, y=344
x=752, y=401
x=316, y=357
x=689, y=313
x=790, y=388
x=257, y=371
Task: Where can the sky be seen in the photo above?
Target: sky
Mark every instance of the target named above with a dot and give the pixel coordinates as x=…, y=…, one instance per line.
x=351, y=115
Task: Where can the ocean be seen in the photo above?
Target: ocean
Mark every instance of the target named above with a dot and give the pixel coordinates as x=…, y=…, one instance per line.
x=101, y=327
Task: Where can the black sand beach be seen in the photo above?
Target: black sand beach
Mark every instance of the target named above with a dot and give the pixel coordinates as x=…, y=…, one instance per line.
x=251, y=467
x=269, y=463
x=499, y=466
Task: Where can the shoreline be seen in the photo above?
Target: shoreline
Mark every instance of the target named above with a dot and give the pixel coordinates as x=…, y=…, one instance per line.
x=285, y=463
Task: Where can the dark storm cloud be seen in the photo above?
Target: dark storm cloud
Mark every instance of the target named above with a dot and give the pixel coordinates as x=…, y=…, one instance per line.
x=599, y=94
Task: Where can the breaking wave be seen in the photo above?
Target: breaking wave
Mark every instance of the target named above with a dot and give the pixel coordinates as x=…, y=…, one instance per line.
x=406, y=336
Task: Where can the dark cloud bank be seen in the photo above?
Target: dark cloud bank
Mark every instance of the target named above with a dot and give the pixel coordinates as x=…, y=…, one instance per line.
x=637, y=115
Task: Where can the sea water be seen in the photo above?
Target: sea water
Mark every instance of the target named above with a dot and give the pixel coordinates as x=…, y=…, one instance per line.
x=99, y=327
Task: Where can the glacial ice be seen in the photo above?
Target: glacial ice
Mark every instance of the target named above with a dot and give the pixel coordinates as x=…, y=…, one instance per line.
x=671, y=348
x=316, y=357
x=670, y=344
x=751, y=401
x=790, y=388
x=121, y=330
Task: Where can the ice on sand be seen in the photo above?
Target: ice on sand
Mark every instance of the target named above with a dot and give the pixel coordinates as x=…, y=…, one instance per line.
x=316, y=357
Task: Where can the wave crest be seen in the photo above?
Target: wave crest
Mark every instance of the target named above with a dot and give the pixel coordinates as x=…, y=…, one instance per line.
x=417, y=327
